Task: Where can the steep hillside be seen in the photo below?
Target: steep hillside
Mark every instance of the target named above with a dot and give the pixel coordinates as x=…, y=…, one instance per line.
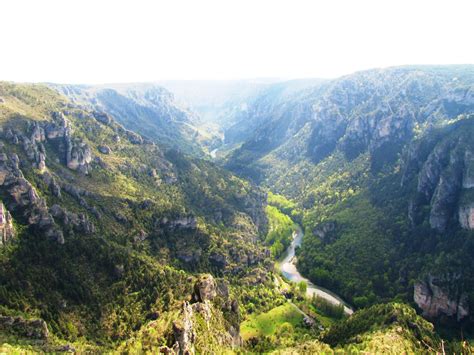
x=389, y=329
x=103, y=231
x=380, y=161
x=147, y=109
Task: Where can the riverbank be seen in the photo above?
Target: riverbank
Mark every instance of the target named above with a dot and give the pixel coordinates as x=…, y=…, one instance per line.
x=287, y=267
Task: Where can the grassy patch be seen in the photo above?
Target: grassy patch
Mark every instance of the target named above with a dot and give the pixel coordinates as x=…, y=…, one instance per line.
x=266, y=324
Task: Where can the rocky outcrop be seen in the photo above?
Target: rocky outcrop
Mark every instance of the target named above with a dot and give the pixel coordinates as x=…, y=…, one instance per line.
x=436, y=298
x=36, y=153
x=190, y=256
x=59, y=128
x=31, y=328
x=183, y=331
x=443, y=176
x=7, y=231
x=133, y=137
x=210, y=300
x=71, y=221
x=103, y=117
x=254, y=205
x=78, y=194
x=51, y=182
x=23, y=199
x=205, y=289
x=447, y=191
x=326, y=231
x=182, y=222
x=468, y=173
x=78, y=155
x=37, y=134
x=466, y=216
x=104, y=149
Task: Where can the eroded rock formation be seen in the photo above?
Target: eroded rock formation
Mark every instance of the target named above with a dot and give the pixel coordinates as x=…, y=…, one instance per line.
x=437, y=298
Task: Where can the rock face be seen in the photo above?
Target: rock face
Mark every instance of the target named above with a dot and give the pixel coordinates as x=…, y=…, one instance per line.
x=59, y=128
x=183, y=332
x=31, y=328
x=435, y=300
x=444, y=176
x=468, y=174
x=7, y=232
x=23, y=199
x=182, y=222
x=466, y=216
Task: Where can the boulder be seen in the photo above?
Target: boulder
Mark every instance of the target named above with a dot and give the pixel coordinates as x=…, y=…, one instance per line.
x=308, y=322
x=205, y=289
x=102, y=117
x=104, y=149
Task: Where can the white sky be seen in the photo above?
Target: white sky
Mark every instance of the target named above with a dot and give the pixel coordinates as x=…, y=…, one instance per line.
x=85, y=41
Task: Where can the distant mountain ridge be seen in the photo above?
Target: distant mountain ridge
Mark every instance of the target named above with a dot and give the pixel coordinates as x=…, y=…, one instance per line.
x=381, y=163
x=146, y=108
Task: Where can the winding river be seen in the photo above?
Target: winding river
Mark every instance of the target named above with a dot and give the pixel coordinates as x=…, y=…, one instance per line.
x=288, y=269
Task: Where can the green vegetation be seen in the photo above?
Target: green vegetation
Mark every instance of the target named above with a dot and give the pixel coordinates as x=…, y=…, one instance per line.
x=161, y=217
x=286, y=317
x=280, y=327
x=100, y=288
x=284, y=205
x=392, y=327
x=326, y=308
x=280, y=230
x=389, y=329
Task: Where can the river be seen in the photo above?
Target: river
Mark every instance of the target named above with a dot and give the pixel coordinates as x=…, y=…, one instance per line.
x=288, y=269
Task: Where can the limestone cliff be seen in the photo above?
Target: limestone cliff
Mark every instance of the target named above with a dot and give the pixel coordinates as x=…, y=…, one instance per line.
x=7, y=231
x=436, y=298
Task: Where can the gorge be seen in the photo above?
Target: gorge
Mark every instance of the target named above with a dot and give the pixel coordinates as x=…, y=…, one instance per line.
x=191, y=217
